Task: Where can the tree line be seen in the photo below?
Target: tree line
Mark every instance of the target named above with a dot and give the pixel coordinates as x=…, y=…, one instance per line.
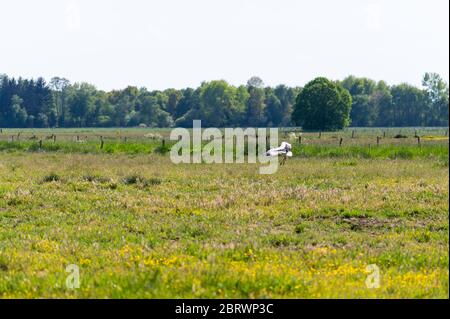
x=34, y=103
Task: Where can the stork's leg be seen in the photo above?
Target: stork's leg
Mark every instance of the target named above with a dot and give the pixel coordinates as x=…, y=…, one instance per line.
x=283, y=160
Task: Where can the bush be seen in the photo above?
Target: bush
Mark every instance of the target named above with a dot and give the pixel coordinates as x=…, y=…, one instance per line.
x=52, y=177
x=132, y=179
x=140, y=180
x=96, y=179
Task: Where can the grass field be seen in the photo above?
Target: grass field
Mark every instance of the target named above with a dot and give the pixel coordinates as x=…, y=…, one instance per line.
x=139, y=226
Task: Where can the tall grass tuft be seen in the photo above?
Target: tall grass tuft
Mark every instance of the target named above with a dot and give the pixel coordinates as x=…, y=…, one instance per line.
x=52, y=177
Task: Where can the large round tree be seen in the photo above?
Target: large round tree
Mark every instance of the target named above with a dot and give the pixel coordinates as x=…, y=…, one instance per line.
x=322, y=105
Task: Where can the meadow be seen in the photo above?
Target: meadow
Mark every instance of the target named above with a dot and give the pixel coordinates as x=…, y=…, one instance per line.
x=139, y=226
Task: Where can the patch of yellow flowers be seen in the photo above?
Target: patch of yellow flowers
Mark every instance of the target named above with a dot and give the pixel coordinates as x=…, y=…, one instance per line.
x=136, y=255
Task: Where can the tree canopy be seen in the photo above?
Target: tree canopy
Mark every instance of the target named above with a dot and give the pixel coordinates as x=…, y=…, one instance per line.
x=322, y=104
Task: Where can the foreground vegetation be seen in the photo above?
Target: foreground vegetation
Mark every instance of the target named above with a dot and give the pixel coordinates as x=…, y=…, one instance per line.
x=140, y=227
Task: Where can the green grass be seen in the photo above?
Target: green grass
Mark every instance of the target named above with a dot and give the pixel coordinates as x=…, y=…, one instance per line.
x=382, y=152
x=139, y=226
x=436, y=151
x=90, y=147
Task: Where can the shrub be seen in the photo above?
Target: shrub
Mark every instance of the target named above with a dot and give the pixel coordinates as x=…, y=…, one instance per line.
x=96, y=179
x=132, y=179
x=137, y=179
x=52, y=177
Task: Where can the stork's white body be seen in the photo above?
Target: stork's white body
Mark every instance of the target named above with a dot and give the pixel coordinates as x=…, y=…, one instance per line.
x=285, y=150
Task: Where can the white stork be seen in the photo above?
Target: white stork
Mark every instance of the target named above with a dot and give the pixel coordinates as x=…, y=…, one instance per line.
x=285, y=150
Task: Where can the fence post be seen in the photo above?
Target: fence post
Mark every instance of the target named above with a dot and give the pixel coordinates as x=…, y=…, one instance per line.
x=40, y=144
x=418, y=140
x=300, y=140
x=101, y=142
x=378, y=141
x=384, y=134
x=340, y=141
x=353, y=134
x=320, y=134
x=54, y=138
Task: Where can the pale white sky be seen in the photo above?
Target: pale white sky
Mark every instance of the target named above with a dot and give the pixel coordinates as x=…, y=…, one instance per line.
x=176, y=43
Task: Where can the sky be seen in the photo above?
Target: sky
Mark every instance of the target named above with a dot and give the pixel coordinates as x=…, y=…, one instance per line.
x=177, y=44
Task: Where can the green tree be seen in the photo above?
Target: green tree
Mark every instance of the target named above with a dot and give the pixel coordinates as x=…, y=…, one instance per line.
x=382, y=99
x=59, y=90
x=359, y=86
x=322, y=105
x=274, y=110
x=186, y=103
x=409, y=105
x=173, y=99
x=19, y=114
x=286, y=96
x=149, y=109
x=152, y=113
x=256, y=82
x=438, y=99
x=364, y=111
x=255, y=113
x=81, y=103
x=220, y=104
